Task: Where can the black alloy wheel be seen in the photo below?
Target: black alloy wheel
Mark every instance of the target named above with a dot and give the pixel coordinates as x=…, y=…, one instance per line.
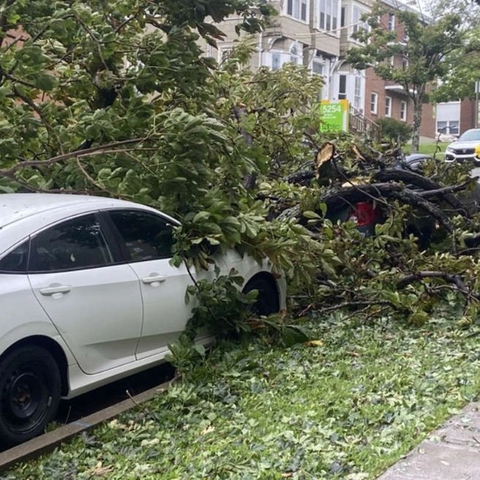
x=30, y=390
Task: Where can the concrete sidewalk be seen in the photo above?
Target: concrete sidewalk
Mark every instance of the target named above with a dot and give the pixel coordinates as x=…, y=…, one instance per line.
x=449, y=453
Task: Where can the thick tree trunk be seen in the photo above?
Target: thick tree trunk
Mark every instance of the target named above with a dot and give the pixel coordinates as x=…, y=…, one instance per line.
x=417, y=121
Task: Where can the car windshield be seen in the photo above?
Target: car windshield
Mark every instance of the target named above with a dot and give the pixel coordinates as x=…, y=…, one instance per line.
x=470, y=135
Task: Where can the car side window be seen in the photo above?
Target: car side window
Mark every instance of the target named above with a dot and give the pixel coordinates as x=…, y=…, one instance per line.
x=146, y=236
x=71, y=245
x=16, y=261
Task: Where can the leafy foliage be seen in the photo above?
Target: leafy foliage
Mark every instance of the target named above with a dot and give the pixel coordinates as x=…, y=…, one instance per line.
x=114, y=98
x=345, y=406
x=459, y=81
x=394, y=130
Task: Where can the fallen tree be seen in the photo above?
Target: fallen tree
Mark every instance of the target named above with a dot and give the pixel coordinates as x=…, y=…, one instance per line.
x=235, y=155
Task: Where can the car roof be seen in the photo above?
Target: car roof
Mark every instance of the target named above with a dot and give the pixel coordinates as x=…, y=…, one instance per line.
x=18, y=206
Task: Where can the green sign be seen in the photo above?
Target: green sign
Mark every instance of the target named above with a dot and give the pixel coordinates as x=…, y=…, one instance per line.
x=334, y=116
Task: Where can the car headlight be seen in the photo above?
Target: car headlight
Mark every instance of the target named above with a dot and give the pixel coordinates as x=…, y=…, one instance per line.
x=477, y=151
x=450, y=149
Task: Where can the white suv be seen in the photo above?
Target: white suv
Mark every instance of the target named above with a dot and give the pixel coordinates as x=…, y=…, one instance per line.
x=464, y=149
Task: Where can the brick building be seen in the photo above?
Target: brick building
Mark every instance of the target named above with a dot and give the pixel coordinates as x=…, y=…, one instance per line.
x=385, y=98
x=318, y=34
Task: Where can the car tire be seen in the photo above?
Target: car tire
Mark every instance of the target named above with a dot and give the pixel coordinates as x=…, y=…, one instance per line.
x=30, y=390
x=267, y=301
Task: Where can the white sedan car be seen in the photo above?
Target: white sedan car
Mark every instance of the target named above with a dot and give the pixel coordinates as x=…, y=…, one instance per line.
x=87, y=296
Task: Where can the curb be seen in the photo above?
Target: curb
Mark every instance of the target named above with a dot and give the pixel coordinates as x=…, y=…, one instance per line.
x=48, y=441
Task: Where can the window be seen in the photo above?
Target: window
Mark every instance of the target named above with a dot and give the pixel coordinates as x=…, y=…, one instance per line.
x=442, y=127
x=297, y=9
x=357, y=22
x=374, y=103
x=276, y=61
x=392, y=60
x=357, y=94
x=328, y=15
x=71, y=245
x=16, y=261
x=145, y=236
x=388, y=106
x=224, y=54
x=450, y=127
x=454, y=127
x=405, y=63
x=342, y=87
x=403, y=111
x=317, y=67
x=391, y=21
x=342, y=17
x=296, y=54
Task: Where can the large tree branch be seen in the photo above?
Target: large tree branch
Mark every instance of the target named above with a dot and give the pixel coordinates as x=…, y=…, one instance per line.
x=9, y=76
x=8, y=172
x=412, y=178
x=454, y=279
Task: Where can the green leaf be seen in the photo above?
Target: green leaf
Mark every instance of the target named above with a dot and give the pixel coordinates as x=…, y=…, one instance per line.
x=46, y=82
x=312, y=215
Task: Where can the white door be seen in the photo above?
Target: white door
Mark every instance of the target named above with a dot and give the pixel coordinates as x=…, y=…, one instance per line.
x=146, y=240
x=95, y=304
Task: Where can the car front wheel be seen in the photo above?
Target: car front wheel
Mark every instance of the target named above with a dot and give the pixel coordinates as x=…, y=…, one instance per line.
x=30, y=390
x=267, y=301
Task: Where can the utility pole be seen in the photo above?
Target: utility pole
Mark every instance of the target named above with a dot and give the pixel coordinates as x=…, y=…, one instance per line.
x=477, y=89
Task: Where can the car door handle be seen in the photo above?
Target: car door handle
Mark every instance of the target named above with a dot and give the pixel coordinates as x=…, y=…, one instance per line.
x=53, y=289
x=154, y=278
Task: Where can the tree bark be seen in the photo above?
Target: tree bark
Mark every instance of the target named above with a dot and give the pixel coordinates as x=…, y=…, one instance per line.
x=417, y=122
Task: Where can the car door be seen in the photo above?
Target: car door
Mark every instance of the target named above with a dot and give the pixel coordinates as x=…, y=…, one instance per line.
x=146, y=240
x=94, y=302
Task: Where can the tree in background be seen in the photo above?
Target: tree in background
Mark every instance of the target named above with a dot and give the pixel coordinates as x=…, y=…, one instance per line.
x=394, y=130
x=425, y=45
x=458, y=82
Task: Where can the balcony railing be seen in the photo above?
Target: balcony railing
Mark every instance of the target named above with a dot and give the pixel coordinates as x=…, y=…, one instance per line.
x=361, y=125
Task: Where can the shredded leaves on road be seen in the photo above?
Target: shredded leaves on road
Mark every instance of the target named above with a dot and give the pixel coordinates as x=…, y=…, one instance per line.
x=345, y=406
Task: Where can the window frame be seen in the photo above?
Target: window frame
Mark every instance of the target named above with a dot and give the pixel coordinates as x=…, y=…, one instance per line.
x=320, y=67
x=126, y=257
x=457, y=127
x=342, y=95
x=391, y=22
x=403, y=110
x=357, y=92
x=447, y=129
x=278, y=56
x=300, y=3
x=105, y=230
x=388, y=112
x=329, y=16
x=374, y=101
x=295, y=53
x=357, y=23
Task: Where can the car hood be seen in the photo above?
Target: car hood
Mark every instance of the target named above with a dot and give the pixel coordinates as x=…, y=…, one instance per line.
x=464, y=144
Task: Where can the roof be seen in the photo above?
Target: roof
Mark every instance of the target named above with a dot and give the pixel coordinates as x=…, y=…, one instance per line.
x=409, y=6
x=17, y=206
